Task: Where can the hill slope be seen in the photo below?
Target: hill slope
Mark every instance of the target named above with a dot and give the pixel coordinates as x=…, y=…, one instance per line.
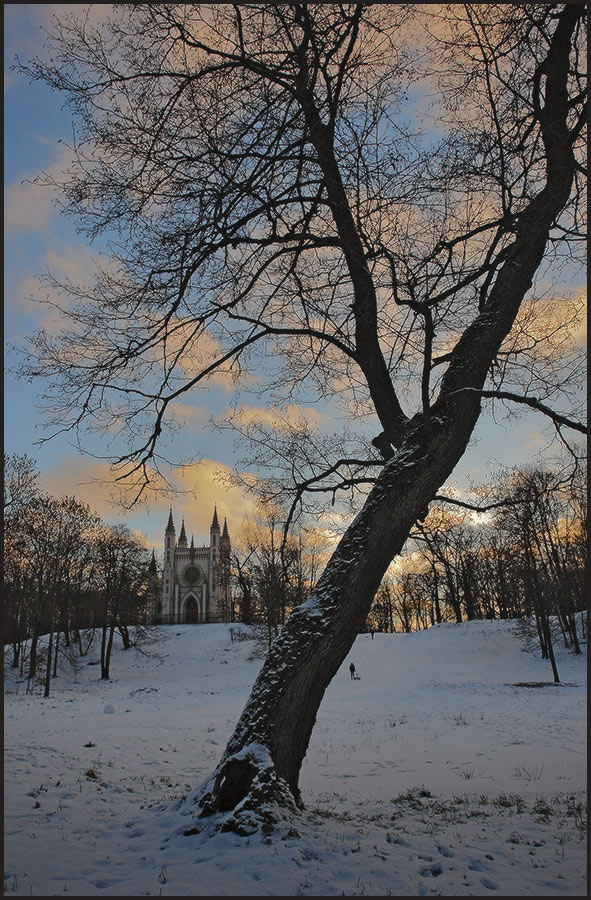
x=438, y=772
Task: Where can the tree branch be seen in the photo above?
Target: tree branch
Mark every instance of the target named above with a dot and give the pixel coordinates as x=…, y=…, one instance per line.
x=533, y=403
x=479, y=509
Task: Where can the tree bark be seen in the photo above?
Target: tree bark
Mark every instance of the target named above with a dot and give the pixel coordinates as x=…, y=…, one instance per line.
x=48, y=666
x=56, y=651
x=106, y=648
x=33, y=653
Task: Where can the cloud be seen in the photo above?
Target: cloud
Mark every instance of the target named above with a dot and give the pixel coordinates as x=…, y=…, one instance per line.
x=191, y=418
x=208, y=485
x=27, y=207
x=24, y=309
x=74, y=263
x=24, y=22
x=93, y=482
x=201, y=487
x=195, y=349
x=579, y=331
x=30, y=206
x=558, y=319
x=280, y=419
x=535, y=441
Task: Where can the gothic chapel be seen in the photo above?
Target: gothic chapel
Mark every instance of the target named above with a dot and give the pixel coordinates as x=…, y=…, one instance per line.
x=195, y=581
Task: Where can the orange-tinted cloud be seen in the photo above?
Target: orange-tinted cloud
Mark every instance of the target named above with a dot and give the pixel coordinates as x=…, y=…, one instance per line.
x=196, y=490
x=27, y=207
x=93, y=482
x=280, y=419
x=207, y=484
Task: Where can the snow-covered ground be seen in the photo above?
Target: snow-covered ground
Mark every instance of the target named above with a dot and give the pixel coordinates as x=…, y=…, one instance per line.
x=446, y=769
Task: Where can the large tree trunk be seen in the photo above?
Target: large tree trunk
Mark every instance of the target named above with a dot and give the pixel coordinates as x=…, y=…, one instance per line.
x=262, y=761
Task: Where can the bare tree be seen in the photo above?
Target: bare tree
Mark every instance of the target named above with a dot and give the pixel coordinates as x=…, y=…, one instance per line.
x=20, y=492
x=19, y=481
x=55, y=534
x=255, y=173
x=273, y=574
x=121, y=572
x=546, y=560
x=383, y=609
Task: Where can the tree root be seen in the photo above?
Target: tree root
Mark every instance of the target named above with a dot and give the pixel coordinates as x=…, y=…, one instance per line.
x=244, y=794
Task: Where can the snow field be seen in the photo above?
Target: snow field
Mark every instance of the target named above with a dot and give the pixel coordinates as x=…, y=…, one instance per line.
x=437, y=772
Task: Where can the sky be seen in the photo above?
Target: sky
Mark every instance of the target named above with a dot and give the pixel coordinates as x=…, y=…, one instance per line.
x=37, y=239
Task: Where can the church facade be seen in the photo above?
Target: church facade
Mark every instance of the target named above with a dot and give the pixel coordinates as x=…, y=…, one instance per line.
x=195, y=582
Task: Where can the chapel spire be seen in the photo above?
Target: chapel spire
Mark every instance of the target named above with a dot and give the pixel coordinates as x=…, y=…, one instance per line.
x=183, y=536
x=170, y=526
x=215, y=525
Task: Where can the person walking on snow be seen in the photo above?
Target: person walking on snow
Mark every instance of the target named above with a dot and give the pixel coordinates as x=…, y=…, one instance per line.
x=352, y=670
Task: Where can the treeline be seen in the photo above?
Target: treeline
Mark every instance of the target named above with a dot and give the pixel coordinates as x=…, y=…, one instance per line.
x=66, y=575
x=526, y=561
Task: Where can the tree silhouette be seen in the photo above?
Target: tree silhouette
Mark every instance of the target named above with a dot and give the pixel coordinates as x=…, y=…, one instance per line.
x=267, y=203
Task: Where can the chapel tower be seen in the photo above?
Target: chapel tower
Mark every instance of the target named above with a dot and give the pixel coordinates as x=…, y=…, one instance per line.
x=168, y=568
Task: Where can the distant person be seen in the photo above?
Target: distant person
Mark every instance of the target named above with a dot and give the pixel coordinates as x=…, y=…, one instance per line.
x=352, y=670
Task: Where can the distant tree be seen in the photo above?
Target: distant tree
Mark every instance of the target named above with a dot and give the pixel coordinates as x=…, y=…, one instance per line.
x=439, y=544
x=546, y=565
x=20, y=481
x=407, y=601
x=121, y=573
x=242, y=577
x=55, y=532
x=20, y=486
x=273, y=572
x=255, y=173
x=382, y=612
x=527, y=560
x=65, y=573
x=498, y=591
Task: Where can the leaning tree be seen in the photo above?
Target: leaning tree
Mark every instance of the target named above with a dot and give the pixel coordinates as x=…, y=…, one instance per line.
x=264, y=197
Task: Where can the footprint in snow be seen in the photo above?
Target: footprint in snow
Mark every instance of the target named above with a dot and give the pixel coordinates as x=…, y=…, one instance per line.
x=434, y=870
x=397, y=840
x=490, y=885
x=476, y=865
